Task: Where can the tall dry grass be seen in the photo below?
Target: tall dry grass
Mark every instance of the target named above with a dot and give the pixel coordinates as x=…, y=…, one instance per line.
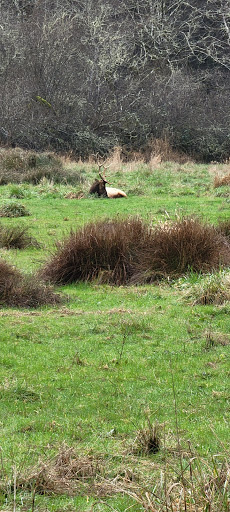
x=129, y=251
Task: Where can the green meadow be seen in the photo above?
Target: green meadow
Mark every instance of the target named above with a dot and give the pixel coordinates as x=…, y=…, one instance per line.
x=92, y=373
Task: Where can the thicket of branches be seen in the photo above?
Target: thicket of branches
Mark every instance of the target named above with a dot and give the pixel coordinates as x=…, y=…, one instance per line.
x=86, y=76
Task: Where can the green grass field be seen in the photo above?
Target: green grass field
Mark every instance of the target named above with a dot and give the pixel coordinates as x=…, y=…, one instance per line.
x=95, y=370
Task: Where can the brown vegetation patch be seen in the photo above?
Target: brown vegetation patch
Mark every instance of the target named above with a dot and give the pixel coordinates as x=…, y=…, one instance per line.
x=128, y=251
x=63, y=474
x=17, y=290
x=16, y=237
x=147, y=441
x=220, y=181
x=104, y=250
x=224, y=228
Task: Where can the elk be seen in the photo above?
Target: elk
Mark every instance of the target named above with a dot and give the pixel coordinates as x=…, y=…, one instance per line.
x=99, y=187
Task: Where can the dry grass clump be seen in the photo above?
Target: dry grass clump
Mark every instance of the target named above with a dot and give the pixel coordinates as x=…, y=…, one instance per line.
x=16, y=237
x=63, y=474
x=177, y=247
x=147, y=441
x=128, y=251
x=17, y=290
x=220, y=181
x=13, y=209
x=20, y=166
x=104, y=250
x=224, y=228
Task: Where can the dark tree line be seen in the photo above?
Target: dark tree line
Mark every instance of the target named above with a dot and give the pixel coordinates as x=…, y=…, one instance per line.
x=88, y=75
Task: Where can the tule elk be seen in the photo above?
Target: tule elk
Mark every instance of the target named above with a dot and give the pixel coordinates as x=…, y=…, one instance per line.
x=100, y=188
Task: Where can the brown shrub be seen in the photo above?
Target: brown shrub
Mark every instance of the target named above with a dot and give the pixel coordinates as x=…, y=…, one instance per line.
x=127, y=251
x=177, y=247
x=16, y=237
x=220, y=181
x=23, y=291
x=224, y=228
x=104, y=250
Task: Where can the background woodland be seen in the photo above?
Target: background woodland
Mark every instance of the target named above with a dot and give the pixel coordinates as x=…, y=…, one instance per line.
x=85, y=76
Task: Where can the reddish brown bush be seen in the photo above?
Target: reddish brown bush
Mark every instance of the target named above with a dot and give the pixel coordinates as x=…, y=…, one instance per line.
x=177, y=247
x=23, y=291
x=220, y=181
x=104, y=250
x=127, y=251
x=224, y=228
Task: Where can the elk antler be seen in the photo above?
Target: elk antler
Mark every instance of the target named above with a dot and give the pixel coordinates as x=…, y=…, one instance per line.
x=102, y=176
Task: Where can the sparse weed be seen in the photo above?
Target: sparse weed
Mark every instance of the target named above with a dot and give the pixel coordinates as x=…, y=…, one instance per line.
x=16, y=237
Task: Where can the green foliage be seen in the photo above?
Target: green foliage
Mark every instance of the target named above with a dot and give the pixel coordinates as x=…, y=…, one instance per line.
x=88, y=372
x=13, y=209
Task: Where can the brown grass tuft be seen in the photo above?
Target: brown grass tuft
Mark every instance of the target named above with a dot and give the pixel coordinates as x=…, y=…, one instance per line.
x=17, y=290
x=63, y=474
x=104, y=250
x=177, y=247
x=16, y=237
x=147, y=441
x=128, y=251
x=220, y=181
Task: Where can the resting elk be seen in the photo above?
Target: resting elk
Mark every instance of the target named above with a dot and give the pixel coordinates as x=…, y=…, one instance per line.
x=100, y=188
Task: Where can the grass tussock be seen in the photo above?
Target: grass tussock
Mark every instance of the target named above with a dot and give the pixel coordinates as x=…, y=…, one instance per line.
x=213, y=289
x=13, y=209
x=104, y=250
x=16, y=237
x=147, y=441
x=17, y=290
x=224, y=228
x=128, y=251
x=175, y=248
x=63, y=474
x=221, y=181
x=21, y=166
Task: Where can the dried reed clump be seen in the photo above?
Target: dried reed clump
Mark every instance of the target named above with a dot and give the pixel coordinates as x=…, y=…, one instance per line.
x=63, y=474
x=147, y=440
x=16, y=237
x=128, y=251
x=177, y=247
x=104, y=250
x=17, y=290
x=224, y=228
x=220, y=181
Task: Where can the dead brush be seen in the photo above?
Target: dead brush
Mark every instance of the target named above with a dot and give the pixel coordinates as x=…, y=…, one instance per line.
x=63, y=474
x=224, y=228
x=16, y=237
x=221, y=181
x=147, y=440
x=129, y=252
x=17, y=290
x=175, y=248
x=104, y=250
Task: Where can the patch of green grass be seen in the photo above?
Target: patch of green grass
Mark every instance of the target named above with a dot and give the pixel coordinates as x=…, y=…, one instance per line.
x=90, y=371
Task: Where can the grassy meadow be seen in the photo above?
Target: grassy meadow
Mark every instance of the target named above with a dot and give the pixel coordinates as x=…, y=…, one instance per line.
x=86, y=384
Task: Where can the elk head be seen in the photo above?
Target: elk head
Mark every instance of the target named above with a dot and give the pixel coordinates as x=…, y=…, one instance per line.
x=99, y=186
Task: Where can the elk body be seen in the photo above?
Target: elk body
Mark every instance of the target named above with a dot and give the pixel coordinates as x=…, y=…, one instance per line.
x=99, y=187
